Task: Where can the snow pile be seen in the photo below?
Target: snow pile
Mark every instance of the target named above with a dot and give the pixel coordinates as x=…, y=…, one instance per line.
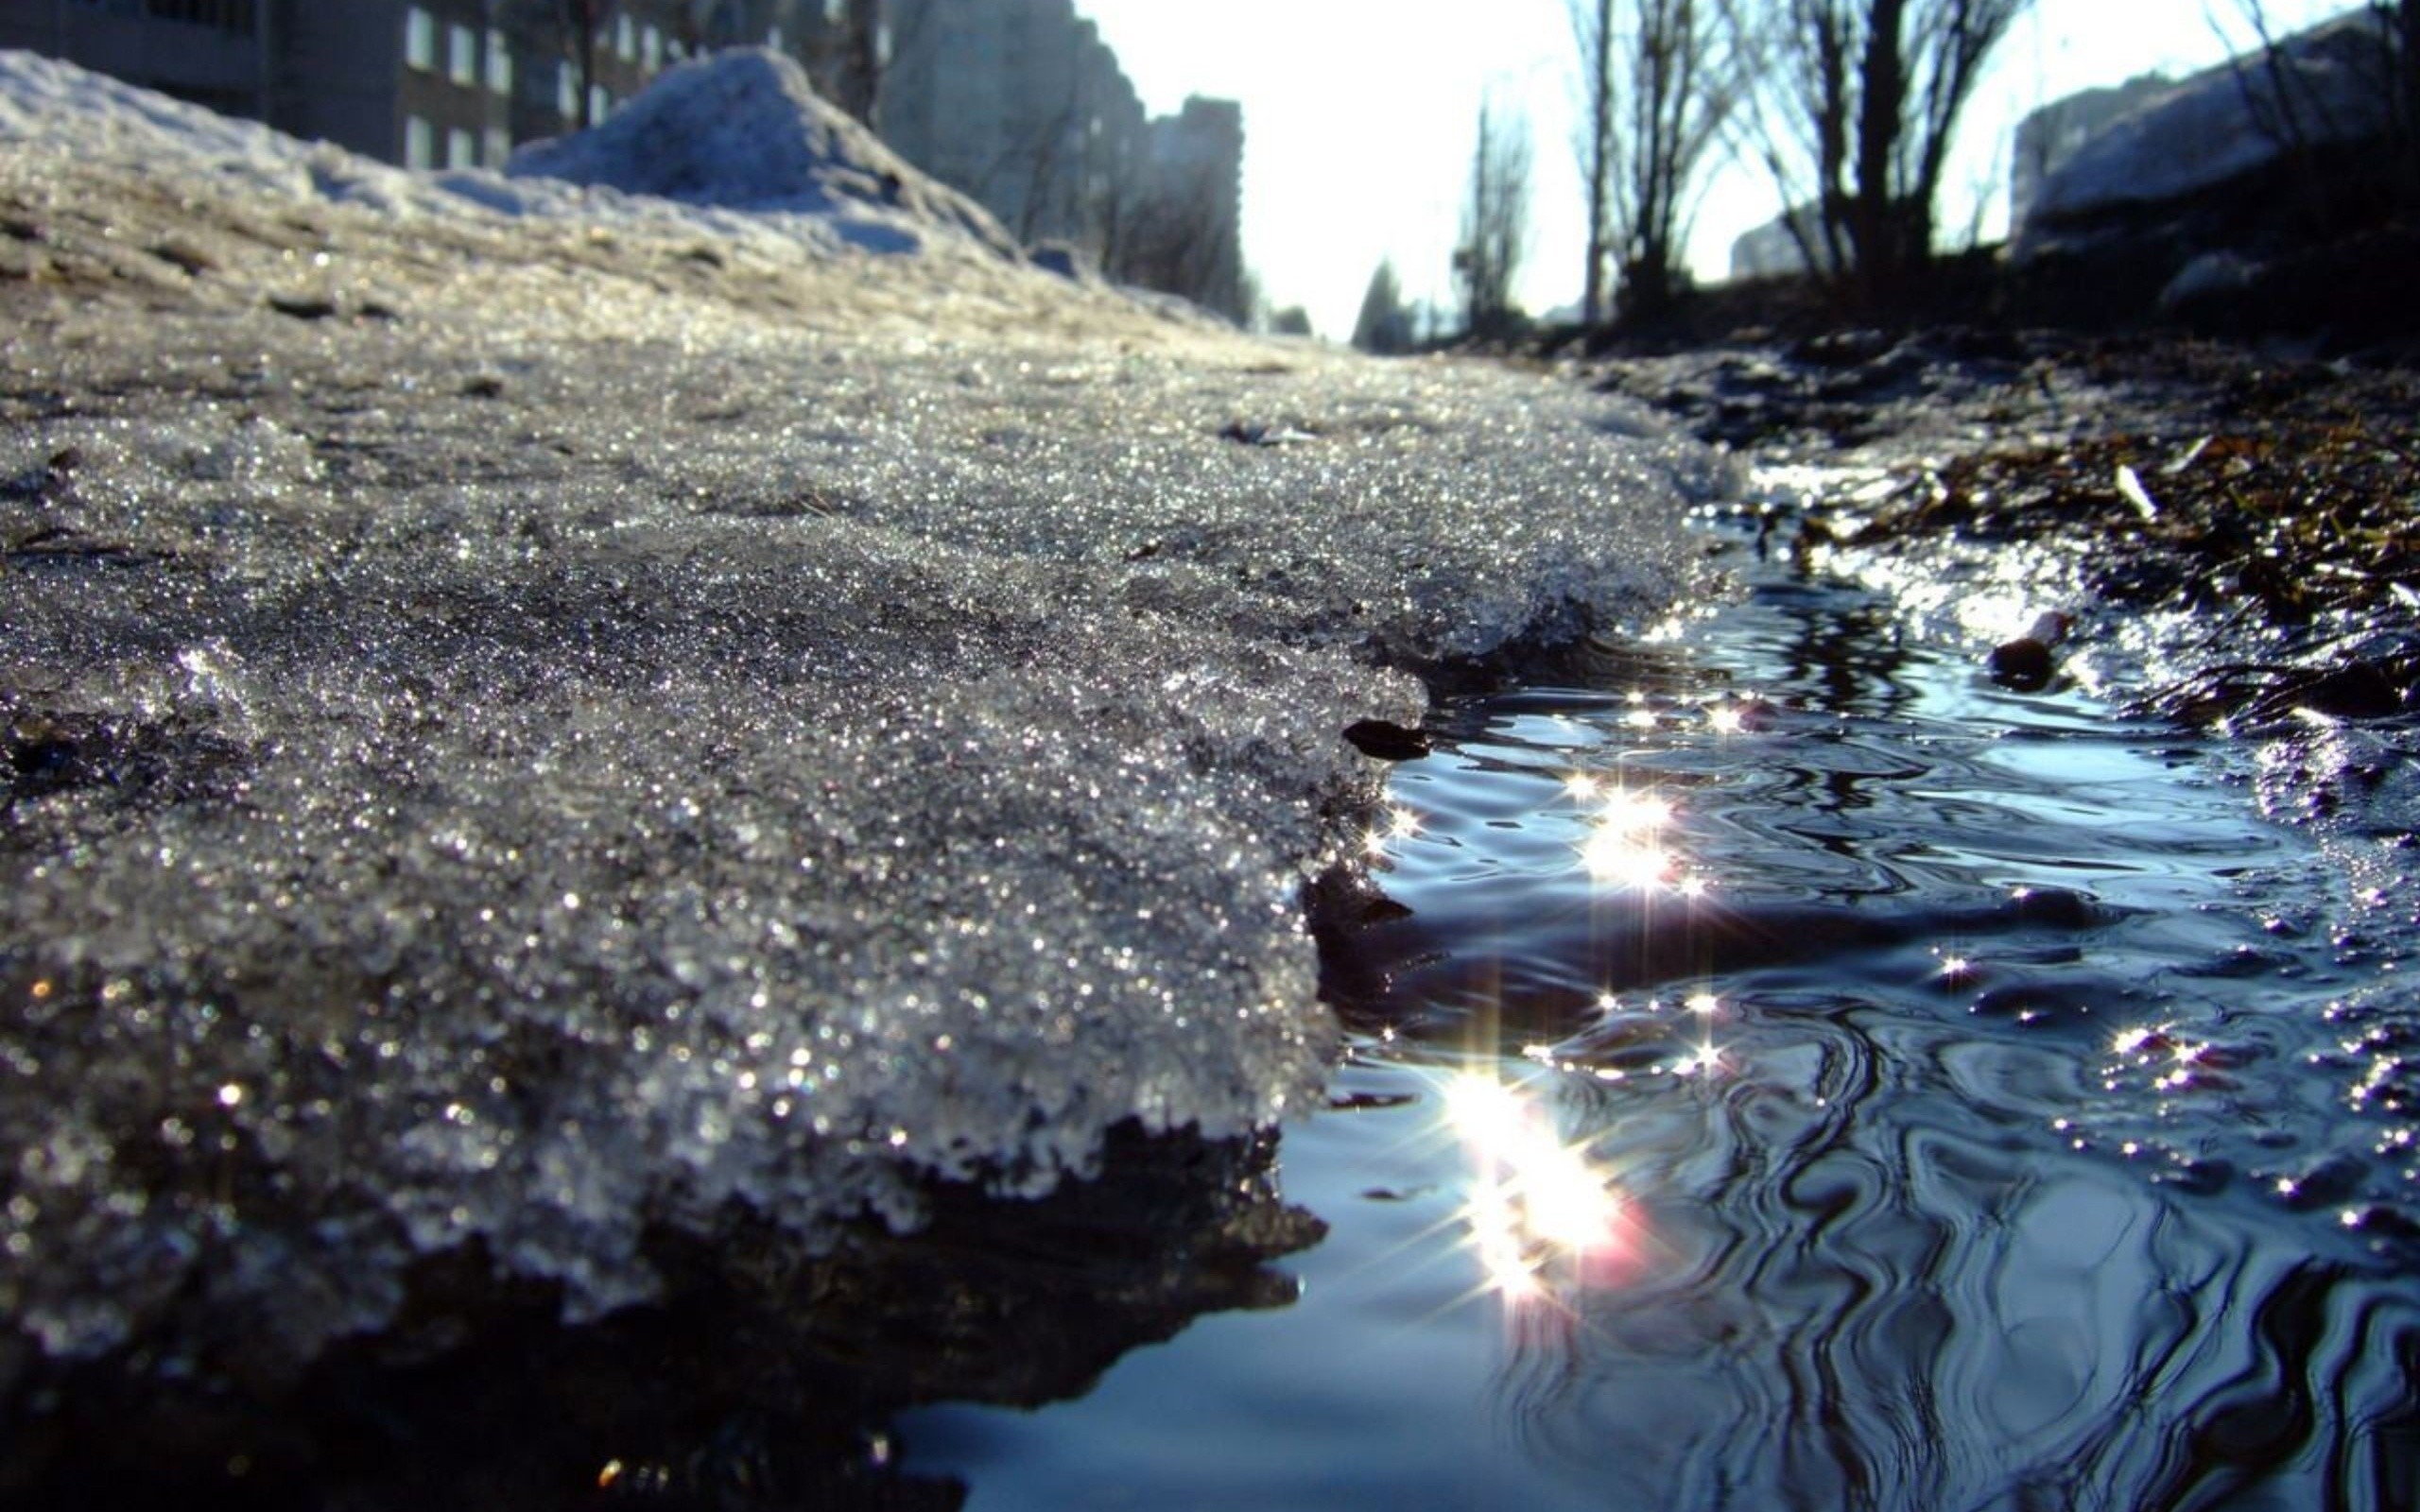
x=744, y=130
x=642, y=735
x=735, y=131
x=2321, y=87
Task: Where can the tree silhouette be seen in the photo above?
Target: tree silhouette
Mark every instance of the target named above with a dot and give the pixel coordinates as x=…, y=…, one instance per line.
x=1385, y=323
x=1495, y=218
x=1859, y=104
x=1661, y=80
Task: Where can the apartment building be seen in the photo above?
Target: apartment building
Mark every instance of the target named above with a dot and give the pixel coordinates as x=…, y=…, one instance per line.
x=213, y=52
x=1018, y=102
x=426, y=83
x=1022, y=105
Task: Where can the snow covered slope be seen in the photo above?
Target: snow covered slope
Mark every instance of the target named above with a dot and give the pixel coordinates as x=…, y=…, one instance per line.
x=2323, y=87
x=532, y=732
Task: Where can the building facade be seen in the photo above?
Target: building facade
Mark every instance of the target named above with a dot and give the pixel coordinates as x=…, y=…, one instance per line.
x=1019, y=103
x=1022, y=105
x=426, y=83
x=214, y=53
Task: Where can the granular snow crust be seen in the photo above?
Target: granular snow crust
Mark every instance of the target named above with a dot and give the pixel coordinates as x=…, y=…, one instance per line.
x=527, y=732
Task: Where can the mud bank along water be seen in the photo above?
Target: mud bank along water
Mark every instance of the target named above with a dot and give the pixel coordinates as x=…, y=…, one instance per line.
x=568, y=753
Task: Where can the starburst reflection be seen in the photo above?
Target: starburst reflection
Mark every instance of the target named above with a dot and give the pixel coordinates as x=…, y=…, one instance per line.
x=1624, y=847
x=1542, y=1216
x=1400, y=824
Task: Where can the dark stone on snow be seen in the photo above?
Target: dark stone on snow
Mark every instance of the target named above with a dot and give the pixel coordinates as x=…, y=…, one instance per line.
x=1387, y=741
x=302, y=306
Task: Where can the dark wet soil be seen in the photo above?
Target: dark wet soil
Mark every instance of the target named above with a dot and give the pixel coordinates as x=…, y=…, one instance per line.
x=2273, y=497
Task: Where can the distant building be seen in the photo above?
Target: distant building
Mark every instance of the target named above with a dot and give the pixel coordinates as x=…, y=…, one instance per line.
x=1195, y=201
x=426, y=83
x=1021, y=104
x=214, y=53
x=1778, y=248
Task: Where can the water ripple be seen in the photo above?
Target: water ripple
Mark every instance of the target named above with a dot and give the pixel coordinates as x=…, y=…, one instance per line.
x=2010, y=1129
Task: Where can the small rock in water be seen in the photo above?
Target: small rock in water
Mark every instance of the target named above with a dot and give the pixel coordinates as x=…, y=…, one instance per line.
x=2027, y=663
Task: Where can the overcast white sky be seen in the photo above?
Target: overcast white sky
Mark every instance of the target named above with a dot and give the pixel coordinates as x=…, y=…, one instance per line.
x=1359, y=118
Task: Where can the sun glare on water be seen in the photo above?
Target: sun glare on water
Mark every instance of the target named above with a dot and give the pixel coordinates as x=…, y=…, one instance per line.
x=1544, y=1216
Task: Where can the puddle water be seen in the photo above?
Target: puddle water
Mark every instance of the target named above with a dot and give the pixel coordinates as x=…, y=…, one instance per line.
x=1793, y=1072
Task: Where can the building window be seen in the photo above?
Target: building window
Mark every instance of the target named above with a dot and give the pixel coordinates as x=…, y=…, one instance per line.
x=420, y=40
x=499, y=146
x=601, y=104
x=499, y=64
x=566, y=93
x=773, y=37
x=462, y=54
x=420, y=143
x=462, y=148
x=651, y=48
x=626, y=39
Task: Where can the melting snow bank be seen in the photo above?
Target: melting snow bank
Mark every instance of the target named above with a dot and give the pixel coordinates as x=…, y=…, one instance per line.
x=529, y=735
x=744, y=130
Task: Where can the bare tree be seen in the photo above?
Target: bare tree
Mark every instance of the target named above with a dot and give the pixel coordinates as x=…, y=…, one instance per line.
x=2291, y=110
x=1592, y=32
x=1385, y=324
x=857, y=59
x=1496, y=224
x=1860, y=107
x=1179, y=237
x=1662, y=79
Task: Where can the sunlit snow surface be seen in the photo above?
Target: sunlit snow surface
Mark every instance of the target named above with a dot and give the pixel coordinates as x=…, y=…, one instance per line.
x=582, y=722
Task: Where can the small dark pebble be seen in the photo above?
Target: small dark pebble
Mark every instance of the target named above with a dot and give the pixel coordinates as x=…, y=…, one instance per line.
x=486, y=386
x=1255, y=434
x=191, y=260
x=1387, y=741
x=1368, y=1102
x=302, y=307
x=2024, y=664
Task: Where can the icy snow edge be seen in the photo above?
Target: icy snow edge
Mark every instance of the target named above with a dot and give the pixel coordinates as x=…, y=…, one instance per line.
x=627, y=737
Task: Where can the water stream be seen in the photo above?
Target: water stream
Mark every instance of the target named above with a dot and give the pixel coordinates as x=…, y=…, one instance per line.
x=1793, y=1072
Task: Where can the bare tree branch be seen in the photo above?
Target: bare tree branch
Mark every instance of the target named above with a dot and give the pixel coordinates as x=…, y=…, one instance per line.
x=1496, y=221
x=1857, y=114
